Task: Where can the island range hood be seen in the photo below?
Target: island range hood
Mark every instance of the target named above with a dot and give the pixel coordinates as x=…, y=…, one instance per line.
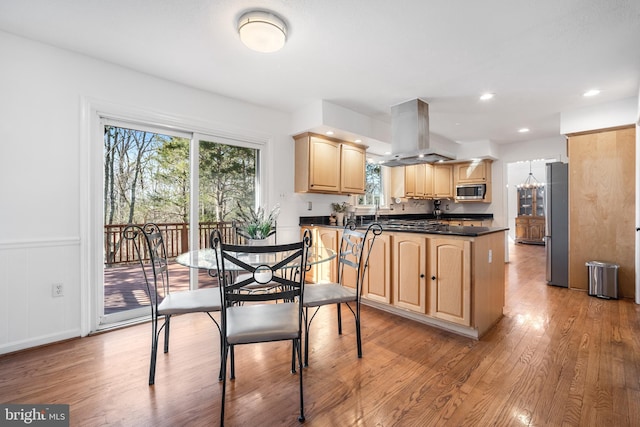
x=410, y=140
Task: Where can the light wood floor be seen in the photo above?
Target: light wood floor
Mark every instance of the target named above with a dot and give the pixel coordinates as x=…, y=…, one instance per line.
x=558, y=357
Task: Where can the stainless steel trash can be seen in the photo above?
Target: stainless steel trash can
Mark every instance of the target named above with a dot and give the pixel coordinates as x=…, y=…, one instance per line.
x=603, y=279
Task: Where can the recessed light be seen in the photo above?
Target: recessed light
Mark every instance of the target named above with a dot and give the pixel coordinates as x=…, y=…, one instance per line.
x=358, y=140
x=591, y=92
x=329, y=132
x=486, y=96
x=523, y=130
x=386, y=153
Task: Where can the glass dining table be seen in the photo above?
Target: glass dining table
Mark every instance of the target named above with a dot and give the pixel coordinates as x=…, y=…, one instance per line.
x=206, y=259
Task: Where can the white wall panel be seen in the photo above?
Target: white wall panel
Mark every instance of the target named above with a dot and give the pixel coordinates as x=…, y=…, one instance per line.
x=30, y=314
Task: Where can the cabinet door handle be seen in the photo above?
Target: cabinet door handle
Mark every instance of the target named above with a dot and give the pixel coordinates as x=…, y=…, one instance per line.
x=422, y=276
x=433, y=277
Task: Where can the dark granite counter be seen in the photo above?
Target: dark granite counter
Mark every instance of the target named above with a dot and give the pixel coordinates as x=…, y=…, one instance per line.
x=391, y=225
x=363, y=219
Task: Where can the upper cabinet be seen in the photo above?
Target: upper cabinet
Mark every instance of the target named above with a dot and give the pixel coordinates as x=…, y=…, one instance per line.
x=442, y=181
x=476, y=172
x=352, y=169
x=418, y=181
x=328, y=165
x=469, y=175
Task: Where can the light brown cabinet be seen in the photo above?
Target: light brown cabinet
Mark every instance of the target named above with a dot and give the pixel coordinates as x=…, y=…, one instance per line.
x=530, y=229
x=352, y=169
x=418, y=181
x=323, y=237
x=409, y=257
x=474, y=172
x=442, y=181
x=328, y=165
x=450, y=277
x=530, y=222
x=465, y=222
x=410, y=181
x=377, y=278
x=453, y=282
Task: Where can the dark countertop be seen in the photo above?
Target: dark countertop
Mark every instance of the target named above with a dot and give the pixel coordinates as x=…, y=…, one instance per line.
x=324, y=220
x=451, y=230
x=447, y=230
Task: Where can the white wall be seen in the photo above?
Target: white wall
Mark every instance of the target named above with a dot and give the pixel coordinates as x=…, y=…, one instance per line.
x=42, y=174
x=548, y=148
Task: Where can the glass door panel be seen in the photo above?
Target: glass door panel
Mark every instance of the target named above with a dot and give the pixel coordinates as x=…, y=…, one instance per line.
x=146, y=179
x=227, y=177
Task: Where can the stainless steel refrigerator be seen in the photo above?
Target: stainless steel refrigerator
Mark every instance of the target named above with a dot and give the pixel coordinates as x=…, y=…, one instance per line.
x=556, y=205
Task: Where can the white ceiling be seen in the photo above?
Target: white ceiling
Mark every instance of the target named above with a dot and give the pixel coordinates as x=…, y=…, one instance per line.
x=538, y=57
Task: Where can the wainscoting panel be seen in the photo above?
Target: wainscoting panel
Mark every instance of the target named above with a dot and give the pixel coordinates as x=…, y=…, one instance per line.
x=30, y=315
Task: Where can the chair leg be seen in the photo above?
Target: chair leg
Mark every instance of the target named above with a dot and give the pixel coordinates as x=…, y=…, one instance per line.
x=293, y=358
x=339, y=319
x=167, y=320
x=306, y=336
x=223, y=368
x=358, y=337
x=154, y=351
x=222, y=358
x=298, y=347
x=233, y=363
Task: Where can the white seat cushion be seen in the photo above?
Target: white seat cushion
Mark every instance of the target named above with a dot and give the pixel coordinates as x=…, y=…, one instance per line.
x=262, y=322
x=199, y=300
x=327, y=293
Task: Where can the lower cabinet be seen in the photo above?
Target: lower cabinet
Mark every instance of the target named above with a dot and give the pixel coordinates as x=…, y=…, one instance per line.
x=325, y=271
x=377, y=279
x=450, y=280
x=466, y=222
x=530, y=229
x=409, y=269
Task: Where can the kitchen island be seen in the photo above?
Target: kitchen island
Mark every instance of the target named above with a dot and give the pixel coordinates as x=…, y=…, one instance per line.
x=450, y=277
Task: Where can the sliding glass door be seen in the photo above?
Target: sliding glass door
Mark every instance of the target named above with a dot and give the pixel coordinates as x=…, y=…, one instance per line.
x=187, y=183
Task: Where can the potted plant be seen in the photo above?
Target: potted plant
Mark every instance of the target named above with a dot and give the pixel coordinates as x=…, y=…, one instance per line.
x=339, y=209
x=257, y=224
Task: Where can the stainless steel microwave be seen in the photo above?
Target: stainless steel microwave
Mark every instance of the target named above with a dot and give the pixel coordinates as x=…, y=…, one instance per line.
x=471, y=191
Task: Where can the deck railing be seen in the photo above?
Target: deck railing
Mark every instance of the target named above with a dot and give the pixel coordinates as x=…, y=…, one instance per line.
x=118, y=250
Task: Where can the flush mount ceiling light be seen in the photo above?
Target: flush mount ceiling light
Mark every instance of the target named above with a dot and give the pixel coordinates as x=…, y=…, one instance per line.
x=591, y=92
x=486, y=96
x=262, y=31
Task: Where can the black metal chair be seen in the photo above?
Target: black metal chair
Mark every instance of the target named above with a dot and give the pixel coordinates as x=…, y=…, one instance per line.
x=249, y=318
x=353, y=258
x=149, y=244
x=241, y=237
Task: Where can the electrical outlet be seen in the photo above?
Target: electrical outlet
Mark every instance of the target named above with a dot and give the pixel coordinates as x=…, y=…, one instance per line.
x=57, y=290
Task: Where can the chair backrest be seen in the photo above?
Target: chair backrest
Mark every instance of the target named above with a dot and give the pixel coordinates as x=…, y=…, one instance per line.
x=148, y=243
x=353, y=254
x=284, y=264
